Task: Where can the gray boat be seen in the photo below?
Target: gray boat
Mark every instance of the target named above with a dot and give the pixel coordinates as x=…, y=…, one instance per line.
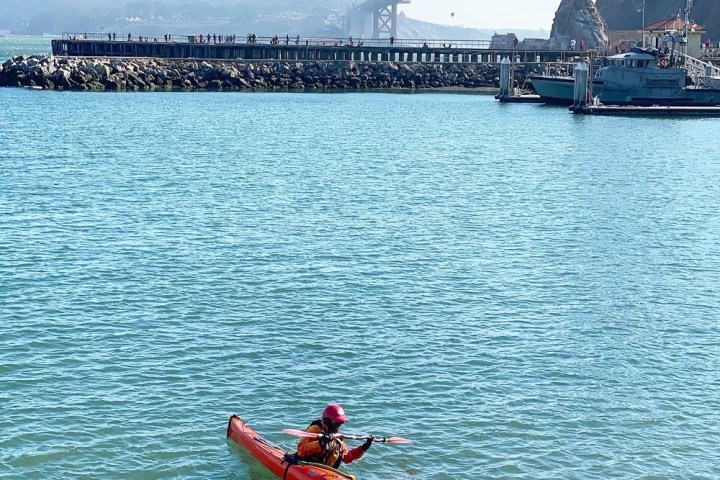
x=640, y=77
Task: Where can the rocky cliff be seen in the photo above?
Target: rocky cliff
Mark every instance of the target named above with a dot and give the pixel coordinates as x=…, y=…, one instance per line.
x=627, y=14
x=578, y=20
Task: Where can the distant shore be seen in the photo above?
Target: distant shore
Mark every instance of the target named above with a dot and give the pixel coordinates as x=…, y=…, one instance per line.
x=150, y=74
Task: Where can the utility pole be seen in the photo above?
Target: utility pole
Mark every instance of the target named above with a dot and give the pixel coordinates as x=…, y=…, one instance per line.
x=642, y=27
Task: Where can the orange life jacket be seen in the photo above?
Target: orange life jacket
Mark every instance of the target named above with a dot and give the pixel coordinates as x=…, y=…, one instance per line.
x=337, y=452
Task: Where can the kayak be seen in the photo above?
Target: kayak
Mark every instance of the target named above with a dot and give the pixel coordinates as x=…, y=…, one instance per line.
x=274, y=459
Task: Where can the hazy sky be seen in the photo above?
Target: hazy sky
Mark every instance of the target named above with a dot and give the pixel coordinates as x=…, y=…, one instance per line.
x=530, y=14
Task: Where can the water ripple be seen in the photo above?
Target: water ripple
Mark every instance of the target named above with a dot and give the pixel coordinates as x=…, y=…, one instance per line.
x=522, y=292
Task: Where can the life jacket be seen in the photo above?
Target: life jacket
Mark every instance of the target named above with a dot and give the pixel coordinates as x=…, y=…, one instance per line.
x=331, y=456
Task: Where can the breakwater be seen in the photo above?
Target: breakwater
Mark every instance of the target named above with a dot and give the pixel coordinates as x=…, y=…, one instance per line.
x=140, y=74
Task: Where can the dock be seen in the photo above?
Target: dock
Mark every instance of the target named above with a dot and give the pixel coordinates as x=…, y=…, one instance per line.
x=524, y=98
x=509, y=93
x=640, y=111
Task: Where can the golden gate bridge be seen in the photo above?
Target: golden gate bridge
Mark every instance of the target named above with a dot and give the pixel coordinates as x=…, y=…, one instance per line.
x=382, y=14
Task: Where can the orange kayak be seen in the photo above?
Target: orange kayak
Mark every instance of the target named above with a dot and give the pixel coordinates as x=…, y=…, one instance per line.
x=274, y=459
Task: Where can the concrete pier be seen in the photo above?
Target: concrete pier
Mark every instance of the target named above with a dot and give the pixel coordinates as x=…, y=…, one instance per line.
x=298, y=49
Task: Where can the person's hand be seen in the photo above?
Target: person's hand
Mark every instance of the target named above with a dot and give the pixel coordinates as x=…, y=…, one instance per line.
x=325, y=440
x=368, y=443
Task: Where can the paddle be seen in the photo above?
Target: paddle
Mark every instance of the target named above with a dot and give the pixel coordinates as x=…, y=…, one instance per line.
x=302, y=433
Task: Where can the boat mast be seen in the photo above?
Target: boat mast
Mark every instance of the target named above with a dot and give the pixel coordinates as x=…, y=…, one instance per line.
x=688, y=5
x=642, y=30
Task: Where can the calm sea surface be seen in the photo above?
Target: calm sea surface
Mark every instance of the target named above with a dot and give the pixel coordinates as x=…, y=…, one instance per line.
x=10, y=46
x=522, y=292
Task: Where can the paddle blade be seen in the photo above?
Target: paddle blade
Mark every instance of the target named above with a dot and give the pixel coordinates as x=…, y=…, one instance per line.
x=300, y=433
x=396, y=440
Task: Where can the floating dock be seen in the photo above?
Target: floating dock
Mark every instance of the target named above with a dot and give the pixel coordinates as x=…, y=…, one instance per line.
x=509, y=93
x=638, y=111
x=525, y=98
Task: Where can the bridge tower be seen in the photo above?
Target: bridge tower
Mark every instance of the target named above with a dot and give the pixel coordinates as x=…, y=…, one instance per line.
x=384, y=16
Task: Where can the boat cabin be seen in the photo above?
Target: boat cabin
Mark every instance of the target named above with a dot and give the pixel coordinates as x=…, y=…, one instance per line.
x=635, y=58
x=629, y=60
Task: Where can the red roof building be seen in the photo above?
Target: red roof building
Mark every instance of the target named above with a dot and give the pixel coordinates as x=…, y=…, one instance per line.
x=669, y=32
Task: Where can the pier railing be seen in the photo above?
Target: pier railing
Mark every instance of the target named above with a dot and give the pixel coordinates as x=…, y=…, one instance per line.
x=229, y=38
x=298, y=48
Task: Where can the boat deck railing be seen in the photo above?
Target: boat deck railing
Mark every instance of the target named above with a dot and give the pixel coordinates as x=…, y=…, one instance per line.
x=697, y=69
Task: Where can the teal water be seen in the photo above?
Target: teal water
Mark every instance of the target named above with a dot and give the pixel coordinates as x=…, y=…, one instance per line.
x=522, y=292
x=14, y=46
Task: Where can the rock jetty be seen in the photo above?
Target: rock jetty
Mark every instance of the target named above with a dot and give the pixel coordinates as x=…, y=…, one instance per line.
x=115, y=74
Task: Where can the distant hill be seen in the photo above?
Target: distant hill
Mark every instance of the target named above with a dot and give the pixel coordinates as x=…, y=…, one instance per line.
x=624, y=14
x=156, y=17
x=411, y=28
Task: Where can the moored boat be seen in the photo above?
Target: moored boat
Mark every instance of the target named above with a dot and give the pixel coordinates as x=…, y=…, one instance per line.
x=275, y=459
x=639, y=77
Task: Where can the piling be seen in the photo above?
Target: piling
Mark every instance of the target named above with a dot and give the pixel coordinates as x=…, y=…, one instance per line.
x=505, y=80
x=580, y=92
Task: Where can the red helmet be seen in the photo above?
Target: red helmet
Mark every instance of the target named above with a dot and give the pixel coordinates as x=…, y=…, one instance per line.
x=335, y=413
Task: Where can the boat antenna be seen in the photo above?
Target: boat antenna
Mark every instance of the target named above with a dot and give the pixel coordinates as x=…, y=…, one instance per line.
x=688, y=5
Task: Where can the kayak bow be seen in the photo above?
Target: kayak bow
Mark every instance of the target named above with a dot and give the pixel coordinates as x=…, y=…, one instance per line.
x=274, y=458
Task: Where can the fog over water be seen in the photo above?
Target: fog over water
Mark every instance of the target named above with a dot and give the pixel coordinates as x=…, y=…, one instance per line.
x=321, y=17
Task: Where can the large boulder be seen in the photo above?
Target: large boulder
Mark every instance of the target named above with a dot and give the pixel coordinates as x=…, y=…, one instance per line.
x=578, y=20
x=102, y=70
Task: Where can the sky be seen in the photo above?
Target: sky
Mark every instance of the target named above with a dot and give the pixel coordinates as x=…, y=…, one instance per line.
x=485, y=14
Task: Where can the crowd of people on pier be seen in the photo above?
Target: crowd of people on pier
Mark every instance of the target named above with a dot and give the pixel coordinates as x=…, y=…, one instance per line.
x=214, y=38
x=253, y=39
x=210, y=38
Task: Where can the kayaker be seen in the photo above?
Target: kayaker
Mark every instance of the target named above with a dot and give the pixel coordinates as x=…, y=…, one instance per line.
x=326, y=449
